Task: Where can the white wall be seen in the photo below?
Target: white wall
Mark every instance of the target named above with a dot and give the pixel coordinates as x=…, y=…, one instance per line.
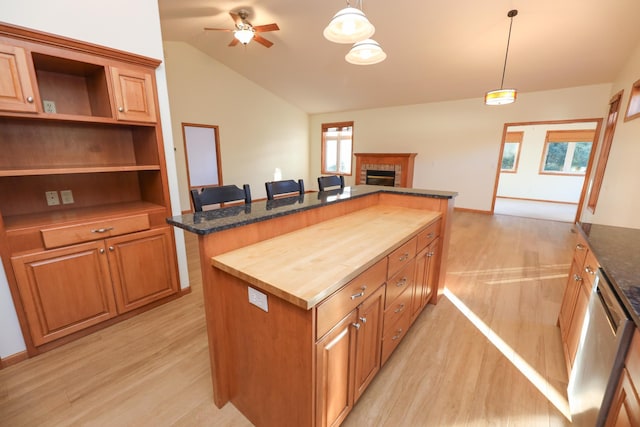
x=527, y=182
x=258, y=131
x=132, y=26
x=618, y=202
x=458, y=142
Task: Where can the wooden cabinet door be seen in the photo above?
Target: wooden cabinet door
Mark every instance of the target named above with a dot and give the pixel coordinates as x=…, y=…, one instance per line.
x=133, y=95
x=625, y=408
x=368, y=341
x=431, y=276
x=64, y=290
x=569, y=299
x=335, y=359
x=577, y=321
x=142, y=268
x=425, y=279
x=16, y=89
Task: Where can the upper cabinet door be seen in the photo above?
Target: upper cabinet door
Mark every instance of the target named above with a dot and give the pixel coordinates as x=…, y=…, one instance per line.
x=16, y=90
x=133, y=93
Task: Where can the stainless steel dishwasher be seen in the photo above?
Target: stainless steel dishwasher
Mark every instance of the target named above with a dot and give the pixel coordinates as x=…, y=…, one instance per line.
x=603, y=344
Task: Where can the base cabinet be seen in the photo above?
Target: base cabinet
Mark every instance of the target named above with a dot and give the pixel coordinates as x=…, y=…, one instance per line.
x=625, y=408
x=68, y=289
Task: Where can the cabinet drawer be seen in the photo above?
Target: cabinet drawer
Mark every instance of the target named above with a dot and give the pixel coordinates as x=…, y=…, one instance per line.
x=580, y=250
x=401, y=256
x=336, y=306
x=396, y=310
x=71, y=234
x=589, y=270
x=394, y=334
x=428, y=235
x=400, y=282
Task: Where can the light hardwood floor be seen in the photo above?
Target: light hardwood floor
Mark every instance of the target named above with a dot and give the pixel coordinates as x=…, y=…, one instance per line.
x=487, y=355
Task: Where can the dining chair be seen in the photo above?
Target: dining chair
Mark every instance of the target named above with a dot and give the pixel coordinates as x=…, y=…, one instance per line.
x=221, y=194
x=324, y=182
x=275, y=188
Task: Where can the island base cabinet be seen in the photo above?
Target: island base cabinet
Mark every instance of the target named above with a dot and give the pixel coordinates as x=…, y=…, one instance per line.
x=625, y=408
x=69, y=289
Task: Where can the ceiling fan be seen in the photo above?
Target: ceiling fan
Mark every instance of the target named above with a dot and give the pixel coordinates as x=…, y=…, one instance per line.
x=245, y=32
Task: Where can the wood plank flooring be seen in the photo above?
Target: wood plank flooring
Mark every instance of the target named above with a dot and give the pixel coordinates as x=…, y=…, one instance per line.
x=487, y=355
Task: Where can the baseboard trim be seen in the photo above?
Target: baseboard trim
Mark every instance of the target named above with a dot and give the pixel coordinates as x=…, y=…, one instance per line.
x=472, y=211
x=537, y=200
x=13, y=359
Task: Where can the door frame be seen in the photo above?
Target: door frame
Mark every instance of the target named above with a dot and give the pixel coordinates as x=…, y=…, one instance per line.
x=587, y=174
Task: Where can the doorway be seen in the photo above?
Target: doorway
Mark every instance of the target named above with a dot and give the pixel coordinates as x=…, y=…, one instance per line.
x=543, y=168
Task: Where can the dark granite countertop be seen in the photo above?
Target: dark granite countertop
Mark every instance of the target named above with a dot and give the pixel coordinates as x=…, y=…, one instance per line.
x=617, y=249
x=212, y=221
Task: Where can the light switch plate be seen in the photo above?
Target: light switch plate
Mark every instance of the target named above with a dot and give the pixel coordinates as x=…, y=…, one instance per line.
x=258, y=299
x=66, y=196
x=52, y=198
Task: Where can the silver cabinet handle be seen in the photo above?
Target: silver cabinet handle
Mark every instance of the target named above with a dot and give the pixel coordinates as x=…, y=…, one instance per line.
x=589, y=270
x=363, y=319
x=359, y=294
x=404, y=257
x=101, y=250
x=430, y=254
x=30, y=99
x=101, y=230
x=397, y=335
x=577, y=278
x=120, y=109
x=402, y=282
x=111, y=248
x=356, y=325
x=399, y=309
x=580, y=247
x=430, y=235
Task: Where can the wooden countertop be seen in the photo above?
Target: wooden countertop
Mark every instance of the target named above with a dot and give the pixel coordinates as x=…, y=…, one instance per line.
x=307, y=265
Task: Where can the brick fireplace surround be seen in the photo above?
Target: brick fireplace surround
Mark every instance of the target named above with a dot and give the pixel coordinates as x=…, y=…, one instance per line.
x=401, y=163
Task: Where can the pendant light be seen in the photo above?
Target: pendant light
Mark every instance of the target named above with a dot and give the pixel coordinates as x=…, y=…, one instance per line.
x=366, y=52
x=503, y=96
x=349, y=25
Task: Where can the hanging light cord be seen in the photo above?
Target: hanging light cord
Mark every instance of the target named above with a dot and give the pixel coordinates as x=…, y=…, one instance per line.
x=511, y=14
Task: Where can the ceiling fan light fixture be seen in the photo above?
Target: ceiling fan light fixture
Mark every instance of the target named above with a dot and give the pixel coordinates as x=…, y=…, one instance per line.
x=244, y=35
x=503, y=96
x=349, y=25
x=500, y=96
x=366, y=52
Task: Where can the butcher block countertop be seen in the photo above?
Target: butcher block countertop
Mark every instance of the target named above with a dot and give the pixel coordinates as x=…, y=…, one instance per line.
x=305, y=266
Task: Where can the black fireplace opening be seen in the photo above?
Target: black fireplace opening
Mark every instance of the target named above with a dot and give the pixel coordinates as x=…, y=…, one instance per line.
x=375, y=177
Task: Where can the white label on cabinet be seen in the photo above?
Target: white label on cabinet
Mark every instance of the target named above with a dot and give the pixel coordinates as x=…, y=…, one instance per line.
x=258, y=299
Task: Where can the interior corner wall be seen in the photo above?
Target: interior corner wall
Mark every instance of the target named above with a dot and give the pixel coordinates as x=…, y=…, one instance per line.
x=618, y=202
x=119, y=24
x=458, y=142
x=258, y=131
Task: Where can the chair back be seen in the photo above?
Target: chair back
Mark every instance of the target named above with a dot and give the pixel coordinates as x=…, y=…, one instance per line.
x=288, y=186
x=324, y=182
x=220, y=194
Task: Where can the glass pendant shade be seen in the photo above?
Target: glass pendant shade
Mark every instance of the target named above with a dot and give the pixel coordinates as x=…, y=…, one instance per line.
x=366, y=52
x=244, y=36
x=349, y=25
x=500, y=96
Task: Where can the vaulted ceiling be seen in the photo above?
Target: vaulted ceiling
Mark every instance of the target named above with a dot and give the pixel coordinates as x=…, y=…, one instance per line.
x=437, y=50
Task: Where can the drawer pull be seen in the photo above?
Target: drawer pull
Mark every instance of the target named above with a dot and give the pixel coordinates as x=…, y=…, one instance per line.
x=402, y=282
x=430, y=235
x=356, y=325
x=430, y=254
x=399, y=309
x=580, y=247
x=577, y=278
x=397, y=335
x=404, y=257
x=111, y=248
x=101, y=250
x=101, y=230
x=589, y=270
x=359, y=294
x=363, y=319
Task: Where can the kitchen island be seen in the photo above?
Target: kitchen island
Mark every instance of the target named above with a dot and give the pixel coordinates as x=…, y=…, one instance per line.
x=307, y=297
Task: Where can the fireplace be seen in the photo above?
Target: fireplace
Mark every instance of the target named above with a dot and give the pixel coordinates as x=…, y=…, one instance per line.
x=396, y=168
x=378, y=177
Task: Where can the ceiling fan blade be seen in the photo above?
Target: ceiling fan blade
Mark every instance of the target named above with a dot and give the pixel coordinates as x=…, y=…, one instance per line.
x=236, y=18
x=265, y=28
x=218, y=29
x=233, y=42
x=264, y=42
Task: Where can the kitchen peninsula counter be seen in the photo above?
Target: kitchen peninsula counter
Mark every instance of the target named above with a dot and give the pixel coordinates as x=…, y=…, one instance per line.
x=307, y=297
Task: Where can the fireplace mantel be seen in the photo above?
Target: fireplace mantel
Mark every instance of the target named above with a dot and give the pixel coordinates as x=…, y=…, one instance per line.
x=402, y=163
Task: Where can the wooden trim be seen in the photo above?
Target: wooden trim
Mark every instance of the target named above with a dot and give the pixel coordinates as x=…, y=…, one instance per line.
x=13, y=359
x=536, y=200
x=633, y=106
x=457, y=209
x=29, y=35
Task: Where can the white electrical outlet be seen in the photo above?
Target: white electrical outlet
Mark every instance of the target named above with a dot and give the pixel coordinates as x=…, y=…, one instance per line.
x=52, y=198
x=67, y=197
x=258, y=299
x=49, y=107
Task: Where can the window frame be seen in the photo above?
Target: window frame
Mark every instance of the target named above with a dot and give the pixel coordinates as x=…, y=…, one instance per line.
x=512, y=138
x=570, y=137
x=324, y=128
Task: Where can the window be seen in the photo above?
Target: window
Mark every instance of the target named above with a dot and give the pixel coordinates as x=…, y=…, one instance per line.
x=337, y=148
x=567, y=152
x=511, y=152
